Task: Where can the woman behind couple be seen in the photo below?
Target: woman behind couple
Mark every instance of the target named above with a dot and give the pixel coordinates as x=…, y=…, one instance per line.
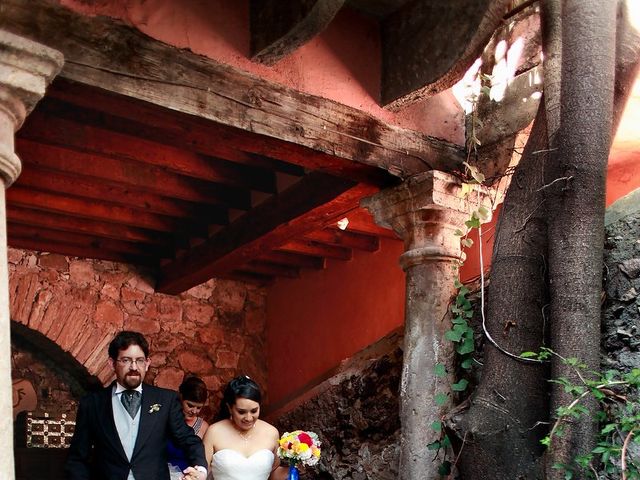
x=240, y=446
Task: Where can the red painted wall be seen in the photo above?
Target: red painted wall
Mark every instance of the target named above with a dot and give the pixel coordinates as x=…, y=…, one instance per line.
x=342, y=63
x=325, y=316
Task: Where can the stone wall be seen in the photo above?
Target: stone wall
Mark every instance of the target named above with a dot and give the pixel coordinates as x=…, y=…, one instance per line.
x=621, y=313
x=355, y=413
x=214, y=330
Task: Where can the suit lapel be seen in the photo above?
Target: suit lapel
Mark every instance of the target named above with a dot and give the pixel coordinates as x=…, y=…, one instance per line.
x=149, y=397
x=106, y=420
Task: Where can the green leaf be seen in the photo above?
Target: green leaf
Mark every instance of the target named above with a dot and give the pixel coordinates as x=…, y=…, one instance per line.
x=459, y=321
x=444, y=468
x=466, y=242
x=436, y=426
x=457, y=283
x=467, y=363
x=608, y=428
x=466, y=347
x=440, y=370
x=445, y=442
x=461, y=386
x=441, y=399
x=483, y=213
x=473, y=223
x=434, y=446
x=453, y=336
x=528, y=355
x=463, y=290
x=458, y=233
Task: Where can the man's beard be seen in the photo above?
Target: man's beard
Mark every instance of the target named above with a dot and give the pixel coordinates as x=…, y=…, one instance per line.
x=132, y=380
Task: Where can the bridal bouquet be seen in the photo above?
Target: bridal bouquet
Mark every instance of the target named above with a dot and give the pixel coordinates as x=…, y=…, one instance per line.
x=300, y=447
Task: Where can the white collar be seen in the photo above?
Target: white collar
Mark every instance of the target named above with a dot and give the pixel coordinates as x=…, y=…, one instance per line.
x=120, y=388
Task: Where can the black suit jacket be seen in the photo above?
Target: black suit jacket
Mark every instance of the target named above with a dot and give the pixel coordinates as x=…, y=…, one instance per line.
x=96, y=452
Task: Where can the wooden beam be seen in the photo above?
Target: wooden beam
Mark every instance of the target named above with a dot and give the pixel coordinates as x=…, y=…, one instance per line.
x=71, y=184
x=340, y=238
x=188, y=83
x=313, y=248
x=295, y=260
x=271, y=269
x=44, y=235
x=68, y=223
x=306, y=206
x=49, y=129
x=360, y=221
x=140, y=176
x=100, y=211
x=82, y=252
x=278, y=28
x=427, y=46
x=94, y=106
x=249, y=277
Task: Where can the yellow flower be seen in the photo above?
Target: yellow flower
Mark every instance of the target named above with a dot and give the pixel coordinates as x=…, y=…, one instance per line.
x=301, y=447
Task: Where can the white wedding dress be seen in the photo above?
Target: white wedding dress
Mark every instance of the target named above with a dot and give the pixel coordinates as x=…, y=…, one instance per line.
x=230, y=464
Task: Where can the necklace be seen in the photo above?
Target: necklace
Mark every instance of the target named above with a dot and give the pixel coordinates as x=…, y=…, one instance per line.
x=246, y=435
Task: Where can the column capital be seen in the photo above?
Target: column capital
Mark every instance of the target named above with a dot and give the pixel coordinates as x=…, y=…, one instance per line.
x=26, y=68
x=425, y=210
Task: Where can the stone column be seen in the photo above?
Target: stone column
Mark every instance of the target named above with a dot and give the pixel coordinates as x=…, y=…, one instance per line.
x=425, y=211
x=26, y=68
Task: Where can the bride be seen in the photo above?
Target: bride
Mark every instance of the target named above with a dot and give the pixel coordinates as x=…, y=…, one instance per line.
x=241, y=446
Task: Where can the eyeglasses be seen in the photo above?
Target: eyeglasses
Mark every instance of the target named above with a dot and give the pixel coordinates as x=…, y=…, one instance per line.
x=128, y=362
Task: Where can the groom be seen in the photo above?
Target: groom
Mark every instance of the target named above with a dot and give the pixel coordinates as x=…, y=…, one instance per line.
x=122, y=430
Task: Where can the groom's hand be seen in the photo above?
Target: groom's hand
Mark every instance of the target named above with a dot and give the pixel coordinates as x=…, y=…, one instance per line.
x=195, y=473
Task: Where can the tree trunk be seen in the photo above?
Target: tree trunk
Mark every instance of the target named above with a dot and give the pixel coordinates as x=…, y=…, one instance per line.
x=575, y=197
x=499, y=433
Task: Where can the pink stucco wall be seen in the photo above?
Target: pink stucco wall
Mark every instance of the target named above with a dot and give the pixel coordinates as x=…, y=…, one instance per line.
x=341, y=64
x=326, y=316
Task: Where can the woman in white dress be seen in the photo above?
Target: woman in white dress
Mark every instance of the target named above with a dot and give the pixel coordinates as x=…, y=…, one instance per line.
x=240, y=446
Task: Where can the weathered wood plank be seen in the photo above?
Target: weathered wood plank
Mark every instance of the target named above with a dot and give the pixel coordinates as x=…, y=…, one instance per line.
x=272, y=269
x=46, y=128
x=340, y=238
x=295, y=260
x=72, y=184
x=100, y=211
x=44, y=235
x=361, y=221
x=278, y=28
x=427, y=46
x=82, y=252
x=94, y=106
x=313, y=248
x=306, y=206
x=184, y=82
x=68, y=223
x=135, y=174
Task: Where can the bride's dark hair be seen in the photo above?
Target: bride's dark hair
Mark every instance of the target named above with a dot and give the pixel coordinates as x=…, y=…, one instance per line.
x=239, y=387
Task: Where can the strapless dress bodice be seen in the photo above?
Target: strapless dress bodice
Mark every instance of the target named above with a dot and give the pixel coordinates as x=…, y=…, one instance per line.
x=230, y=464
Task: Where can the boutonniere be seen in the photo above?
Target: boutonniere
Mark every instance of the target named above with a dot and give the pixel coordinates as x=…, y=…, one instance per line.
x=155, y=408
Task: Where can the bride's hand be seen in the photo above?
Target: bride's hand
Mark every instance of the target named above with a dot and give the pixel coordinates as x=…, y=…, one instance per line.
x=191, y=473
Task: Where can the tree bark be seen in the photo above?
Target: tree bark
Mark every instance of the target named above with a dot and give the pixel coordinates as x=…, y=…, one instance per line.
x=499, y=433
x=575, y=197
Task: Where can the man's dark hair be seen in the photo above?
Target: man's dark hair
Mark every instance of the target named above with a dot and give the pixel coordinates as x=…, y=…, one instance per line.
x=124, y=340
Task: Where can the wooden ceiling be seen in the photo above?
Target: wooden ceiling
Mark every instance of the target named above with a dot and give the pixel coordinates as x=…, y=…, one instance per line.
x=150, y=155
x=108, y=177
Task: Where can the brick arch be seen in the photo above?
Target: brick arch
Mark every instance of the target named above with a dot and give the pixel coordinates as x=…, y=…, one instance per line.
x=65, y=315
x=80, y=379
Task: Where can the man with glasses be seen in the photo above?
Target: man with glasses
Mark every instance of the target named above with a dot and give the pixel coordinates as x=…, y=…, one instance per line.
x=122, y=430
